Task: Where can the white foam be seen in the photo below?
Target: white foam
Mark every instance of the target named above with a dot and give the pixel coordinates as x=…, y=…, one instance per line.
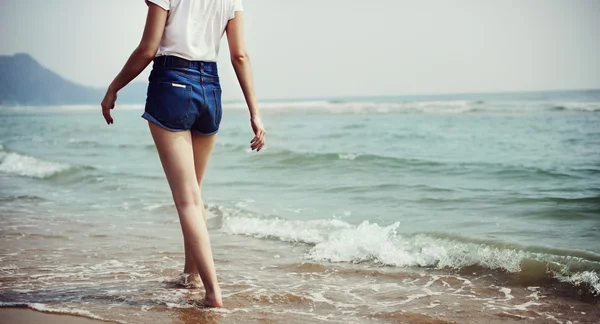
x=583, y=278
x=157, y=206
x=337, y=241
x=348, y=156
x=371, y=242
x=68, y=311
x=28, y=166
x=286, y=230
x=506, y=292
x=280, y=105
x=450, y=106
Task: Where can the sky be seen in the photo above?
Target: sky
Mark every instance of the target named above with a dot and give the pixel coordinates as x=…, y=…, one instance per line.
x=339, y=48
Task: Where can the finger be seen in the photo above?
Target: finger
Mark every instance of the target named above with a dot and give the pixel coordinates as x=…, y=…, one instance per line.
x=112, y=106
x=108, y=117
x=256, y=137
x=259, y=144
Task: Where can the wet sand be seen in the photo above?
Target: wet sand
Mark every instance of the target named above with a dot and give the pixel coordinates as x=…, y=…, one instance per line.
x=28, y=316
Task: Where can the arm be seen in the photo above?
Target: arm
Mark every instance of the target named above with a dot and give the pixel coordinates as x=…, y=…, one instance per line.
x=139, y=59
x=243, y=69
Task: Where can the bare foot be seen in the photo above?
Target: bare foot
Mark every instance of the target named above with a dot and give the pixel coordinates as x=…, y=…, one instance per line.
x=189, y=280
x=213, y=299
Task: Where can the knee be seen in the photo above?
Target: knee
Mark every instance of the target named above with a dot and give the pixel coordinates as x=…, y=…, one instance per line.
x=182, y=203
x=191, y=199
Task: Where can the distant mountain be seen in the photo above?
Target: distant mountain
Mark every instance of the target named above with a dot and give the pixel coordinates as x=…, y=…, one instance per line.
x=24, y=82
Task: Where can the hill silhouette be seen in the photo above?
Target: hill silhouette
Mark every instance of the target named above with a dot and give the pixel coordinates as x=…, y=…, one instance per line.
x=24, y=82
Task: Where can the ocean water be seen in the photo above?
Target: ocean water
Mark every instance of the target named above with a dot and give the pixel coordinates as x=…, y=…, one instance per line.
x=467, y=208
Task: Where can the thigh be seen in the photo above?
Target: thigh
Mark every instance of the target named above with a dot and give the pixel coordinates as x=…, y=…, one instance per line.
x=203, y=146
x=177, y=157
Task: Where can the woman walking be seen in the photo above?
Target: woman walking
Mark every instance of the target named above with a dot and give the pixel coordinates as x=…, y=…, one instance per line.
x=183, y=107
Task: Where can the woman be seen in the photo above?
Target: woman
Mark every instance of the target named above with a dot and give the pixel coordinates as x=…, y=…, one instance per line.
x=183, y=107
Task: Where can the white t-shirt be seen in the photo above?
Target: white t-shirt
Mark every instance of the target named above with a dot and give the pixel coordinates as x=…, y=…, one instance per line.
x=195, y=27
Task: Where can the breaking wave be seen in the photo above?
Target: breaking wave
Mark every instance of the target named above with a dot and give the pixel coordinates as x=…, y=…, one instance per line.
x=337, y=241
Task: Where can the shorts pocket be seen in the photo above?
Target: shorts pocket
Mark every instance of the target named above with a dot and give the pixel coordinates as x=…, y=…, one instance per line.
x=169, y=101
x=218, y=106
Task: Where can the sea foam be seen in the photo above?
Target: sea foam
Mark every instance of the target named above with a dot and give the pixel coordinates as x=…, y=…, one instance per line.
x=337, y=241
x=57, y=310
x=29, y=166
x=444, y=107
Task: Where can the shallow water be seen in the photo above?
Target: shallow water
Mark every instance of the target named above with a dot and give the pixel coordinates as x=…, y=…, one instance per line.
x=474, y=208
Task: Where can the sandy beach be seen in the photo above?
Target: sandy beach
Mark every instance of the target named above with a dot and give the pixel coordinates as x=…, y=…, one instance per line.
x=28, y=316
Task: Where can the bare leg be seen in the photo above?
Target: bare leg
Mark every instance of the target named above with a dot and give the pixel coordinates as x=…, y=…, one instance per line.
x=177, y=157
x=201, y=144
x=190, y=264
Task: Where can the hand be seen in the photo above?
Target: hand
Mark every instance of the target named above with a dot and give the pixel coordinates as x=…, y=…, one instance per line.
x=258, y=141
x=108, y=103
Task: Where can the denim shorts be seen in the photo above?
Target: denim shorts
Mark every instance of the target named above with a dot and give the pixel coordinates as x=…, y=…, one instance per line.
x=184, y=95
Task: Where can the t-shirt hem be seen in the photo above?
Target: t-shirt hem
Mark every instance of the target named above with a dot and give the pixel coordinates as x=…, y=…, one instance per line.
x=189, y=58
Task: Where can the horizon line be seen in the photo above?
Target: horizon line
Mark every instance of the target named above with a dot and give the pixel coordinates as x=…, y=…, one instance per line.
x=335, y=97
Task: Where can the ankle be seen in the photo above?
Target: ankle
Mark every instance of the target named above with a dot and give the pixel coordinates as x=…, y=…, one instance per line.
x=215, y=290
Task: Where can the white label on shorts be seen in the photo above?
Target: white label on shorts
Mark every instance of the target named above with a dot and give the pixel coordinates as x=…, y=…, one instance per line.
x=178, y=85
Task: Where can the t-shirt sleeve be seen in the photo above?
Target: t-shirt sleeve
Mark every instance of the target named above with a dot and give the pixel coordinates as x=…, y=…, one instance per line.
x=161, y=3
x=237, y=6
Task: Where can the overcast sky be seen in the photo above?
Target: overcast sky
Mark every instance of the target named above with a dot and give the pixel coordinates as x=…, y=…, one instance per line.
x=328, y=48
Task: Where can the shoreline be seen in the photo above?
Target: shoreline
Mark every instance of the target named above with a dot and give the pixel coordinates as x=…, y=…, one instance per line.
x=26, y=315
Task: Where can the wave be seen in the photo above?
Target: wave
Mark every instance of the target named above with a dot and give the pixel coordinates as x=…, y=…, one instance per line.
x=425, y=106
x=32, y=167
x=507, y=171
x=288, y=158
x=333, y=106
x=30, y=198
x=577, y=106
x=587, y=200
x=92, y=143
x=57, y=310
x=338, y=241
x=28, y=166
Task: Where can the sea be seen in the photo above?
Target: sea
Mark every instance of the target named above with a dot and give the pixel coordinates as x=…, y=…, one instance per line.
x=464, y=208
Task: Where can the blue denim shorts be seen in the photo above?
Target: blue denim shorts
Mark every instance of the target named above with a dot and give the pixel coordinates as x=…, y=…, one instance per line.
x=184, y=95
